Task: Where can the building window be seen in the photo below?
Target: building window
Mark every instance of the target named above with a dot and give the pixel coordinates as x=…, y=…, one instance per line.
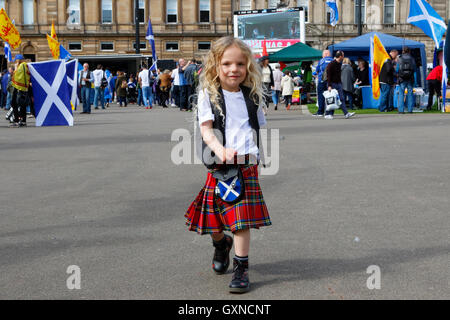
x=75, y=46
x=204, y=45
x=363, y=11
x=389, y=11
x=172, y=46
x=328, y=10
x=305, y=5
x=204, y=6
x=273, y=4
x=143, y=45
x=28, y=12
x=245, y=5
x=107, y=46
x=2, y=4
x=141, y=10
x=74, y=12
x=106, y=11
x=172, y=11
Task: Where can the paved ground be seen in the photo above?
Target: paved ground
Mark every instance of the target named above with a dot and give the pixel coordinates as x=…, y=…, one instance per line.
x=104, y=195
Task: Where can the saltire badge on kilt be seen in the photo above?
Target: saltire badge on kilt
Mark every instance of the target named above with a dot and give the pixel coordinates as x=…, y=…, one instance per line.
x=51, y=93
x=230, y=189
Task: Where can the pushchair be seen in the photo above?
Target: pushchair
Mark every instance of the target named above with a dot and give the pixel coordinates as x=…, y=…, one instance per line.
x=131, y=92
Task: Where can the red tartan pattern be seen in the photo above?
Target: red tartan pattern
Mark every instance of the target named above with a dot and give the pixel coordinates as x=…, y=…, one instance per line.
x=209, y=214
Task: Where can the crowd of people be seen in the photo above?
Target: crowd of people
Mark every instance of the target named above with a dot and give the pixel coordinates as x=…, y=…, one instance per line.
x=280, y=85
x=178, y=87
x=397, y=76
x=16, y=94
x=146, y=88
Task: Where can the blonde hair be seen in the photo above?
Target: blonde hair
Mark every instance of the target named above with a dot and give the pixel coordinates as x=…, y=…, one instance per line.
x=209, y=78
x=347, y=61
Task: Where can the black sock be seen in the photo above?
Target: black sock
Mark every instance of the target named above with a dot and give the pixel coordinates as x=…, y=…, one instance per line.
x=242, y=259
x=221, y=244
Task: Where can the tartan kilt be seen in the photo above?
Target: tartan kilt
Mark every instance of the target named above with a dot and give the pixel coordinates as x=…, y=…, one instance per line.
x=209, y=214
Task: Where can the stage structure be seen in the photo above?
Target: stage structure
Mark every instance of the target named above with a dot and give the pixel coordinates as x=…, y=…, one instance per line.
x=280, y=27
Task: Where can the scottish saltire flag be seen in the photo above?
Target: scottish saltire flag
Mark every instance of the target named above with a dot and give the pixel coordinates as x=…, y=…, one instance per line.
x=51, y=93
x=8, y=54
x=72, y=79
x=423, y=16
x=151, y=38
x=63, y=53
x=334, y=13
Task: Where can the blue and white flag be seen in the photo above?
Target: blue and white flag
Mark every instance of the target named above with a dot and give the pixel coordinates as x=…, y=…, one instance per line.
x=151, y=38
x=51, y=93
x=334, y=13
x=8, y=54
x=423, y=16
x=63, y=53
x=72, y=80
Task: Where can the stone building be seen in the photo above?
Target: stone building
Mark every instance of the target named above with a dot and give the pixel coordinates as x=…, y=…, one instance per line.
x=104, y=30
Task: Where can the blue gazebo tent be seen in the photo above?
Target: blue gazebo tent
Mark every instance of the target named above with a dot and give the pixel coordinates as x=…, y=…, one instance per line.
x=360, y=47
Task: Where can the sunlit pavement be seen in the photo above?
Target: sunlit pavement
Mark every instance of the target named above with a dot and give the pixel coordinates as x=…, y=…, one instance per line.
x=105, y=196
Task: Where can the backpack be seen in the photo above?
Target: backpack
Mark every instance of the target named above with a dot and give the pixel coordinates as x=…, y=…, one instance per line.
x=406, y=69
x=104, y=82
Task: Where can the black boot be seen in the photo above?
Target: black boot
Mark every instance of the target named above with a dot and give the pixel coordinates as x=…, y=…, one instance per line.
x=240, y=282
x=221, y=259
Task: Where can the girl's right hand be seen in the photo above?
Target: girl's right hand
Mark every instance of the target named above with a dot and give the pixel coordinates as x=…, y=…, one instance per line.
x=228, y=155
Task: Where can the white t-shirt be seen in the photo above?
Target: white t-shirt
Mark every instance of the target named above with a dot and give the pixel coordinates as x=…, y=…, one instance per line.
x=266, y=74
x=143, y=75
x=238, y=132
x=277, y=77
x=175, y=77
x=98, y=76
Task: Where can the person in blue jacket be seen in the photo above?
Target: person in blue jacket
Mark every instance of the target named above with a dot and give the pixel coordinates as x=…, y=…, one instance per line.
x=5, y=80
x=322, y=83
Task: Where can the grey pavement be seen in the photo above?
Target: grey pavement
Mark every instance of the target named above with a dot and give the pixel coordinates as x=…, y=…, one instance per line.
x=105, y=196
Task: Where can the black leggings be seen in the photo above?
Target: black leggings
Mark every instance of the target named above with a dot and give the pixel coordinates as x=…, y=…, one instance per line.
x=20, y=112
x=288, y=100
x=434, y=87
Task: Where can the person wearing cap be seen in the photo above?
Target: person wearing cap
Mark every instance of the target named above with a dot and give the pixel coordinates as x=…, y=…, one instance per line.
x=20, y=99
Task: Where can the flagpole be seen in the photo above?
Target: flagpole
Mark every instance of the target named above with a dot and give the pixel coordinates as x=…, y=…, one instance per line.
x=359, y=14
x=333, y=35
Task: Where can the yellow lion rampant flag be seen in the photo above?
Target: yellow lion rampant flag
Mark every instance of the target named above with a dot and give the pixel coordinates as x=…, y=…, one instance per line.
x=8, y=31
x=378, y=57
x=53, y=33
x=54, y=47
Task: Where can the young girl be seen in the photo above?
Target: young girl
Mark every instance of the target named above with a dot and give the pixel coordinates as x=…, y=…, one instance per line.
x=230, y=98
x=287, y=87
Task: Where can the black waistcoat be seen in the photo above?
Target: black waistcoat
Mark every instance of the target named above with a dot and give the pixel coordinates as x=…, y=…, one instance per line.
x=209, y=158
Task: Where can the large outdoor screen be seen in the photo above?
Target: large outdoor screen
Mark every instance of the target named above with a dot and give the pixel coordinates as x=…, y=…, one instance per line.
x=280, y=27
